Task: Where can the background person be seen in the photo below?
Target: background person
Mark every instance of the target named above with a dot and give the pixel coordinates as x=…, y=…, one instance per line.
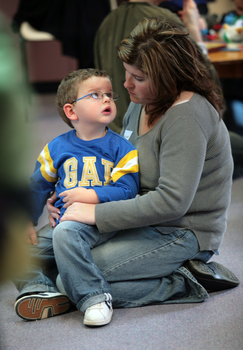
x=232, y=87
x=16, y=145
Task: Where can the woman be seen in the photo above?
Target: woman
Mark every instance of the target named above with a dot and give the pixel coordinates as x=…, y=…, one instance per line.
x=174, y=120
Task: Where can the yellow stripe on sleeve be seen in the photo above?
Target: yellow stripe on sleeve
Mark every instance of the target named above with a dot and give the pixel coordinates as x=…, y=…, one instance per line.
x=128, y=164
x=47, y=169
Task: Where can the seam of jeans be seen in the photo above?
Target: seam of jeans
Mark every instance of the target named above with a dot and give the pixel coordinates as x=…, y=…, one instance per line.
x=140, y=256
x=191, y=298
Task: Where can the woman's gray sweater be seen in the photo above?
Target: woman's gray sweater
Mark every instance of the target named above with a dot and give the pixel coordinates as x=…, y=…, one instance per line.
x=185, y=174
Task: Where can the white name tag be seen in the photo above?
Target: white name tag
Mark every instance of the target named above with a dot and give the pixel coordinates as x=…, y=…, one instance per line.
x=127, y=134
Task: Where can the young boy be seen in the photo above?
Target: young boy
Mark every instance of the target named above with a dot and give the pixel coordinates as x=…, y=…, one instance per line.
x=90, y=164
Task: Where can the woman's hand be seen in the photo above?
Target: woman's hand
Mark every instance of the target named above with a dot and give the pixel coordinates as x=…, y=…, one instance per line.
x=80, y=212
x=54, y=213
x=79, y=194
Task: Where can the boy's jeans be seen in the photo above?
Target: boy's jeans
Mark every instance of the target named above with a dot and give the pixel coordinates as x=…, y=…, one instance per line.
x=67, y=249
x=142, y=266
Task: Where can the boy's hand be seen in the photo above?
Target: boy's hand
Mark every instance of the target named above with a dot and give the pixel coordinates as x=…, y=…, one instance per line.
x=79, y=194
x=31, y=236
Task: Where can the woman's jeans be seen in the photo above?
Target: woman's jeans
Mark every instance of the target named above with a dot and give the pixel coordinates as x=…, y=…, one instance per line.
x=138, y=267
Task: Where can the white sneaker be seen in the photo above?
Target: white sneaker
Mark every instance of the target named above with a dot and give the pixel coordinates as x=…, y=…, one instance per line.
x=41, y=305
x=99, y=314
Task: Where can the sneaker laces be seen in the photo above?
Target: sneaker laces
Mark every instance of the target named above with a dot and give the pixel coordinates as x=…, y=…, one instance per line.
x=108, y=300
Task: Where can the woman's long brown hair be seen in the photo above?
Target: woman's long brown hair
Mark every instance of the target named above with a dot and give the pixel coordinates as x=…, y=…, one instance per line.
x=166, y=54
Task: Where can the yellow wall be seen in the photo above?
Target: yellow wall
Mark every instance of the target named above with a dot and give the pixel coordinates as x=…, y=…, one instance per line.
x=221, y=6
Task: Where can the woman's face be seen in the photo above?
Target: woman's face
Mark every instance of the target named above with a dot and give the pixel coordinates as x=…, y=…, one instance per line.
x=138, y=85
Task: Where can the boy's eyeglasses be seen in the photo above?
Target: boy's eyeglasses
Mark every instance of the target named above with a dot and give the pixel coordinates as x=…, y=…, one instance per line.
x=98, y=95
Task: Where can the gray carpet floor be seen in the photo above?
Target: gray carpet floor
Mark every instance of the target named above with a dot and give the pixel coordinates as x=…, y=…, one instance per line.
x=216, y=324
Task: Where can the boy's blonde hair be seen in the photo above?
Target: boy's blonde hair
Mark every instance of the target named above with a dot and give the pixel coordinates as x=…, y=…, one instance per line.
x=67, y=91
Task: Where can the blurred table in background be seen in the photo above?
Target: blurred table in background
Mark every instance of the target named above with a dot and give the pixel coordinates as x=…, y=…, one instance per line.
x=228, y=64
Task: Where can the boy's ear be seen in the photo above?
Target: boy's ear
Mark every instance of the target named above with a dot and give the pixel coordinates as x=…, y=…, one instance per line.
x=69, y=111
